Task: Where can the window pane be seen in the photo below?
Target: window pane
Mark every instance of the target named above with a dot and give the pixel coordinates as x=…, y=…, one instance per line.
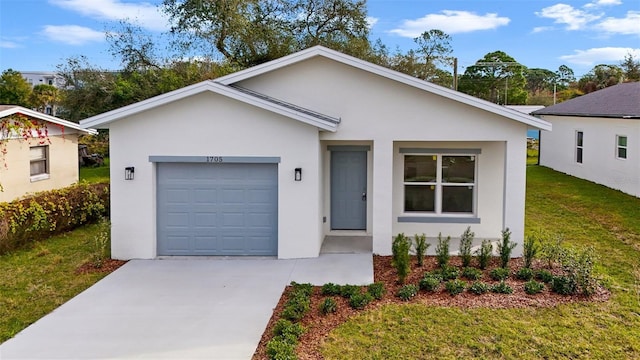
x=38, y=167
x=579, y=155
x=38, y=152
x=420, y=168
x=457, y=199
x=622, y=141
x=622, y=153
x=579, y=137
x=458, y=169
x=419, y=198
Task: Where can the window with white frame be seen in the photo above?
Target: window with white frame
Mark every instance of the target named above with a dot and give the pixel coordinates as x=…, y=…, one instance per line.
x=439, y=183
x=39, y=161
x=579, y=146
x=621, y=146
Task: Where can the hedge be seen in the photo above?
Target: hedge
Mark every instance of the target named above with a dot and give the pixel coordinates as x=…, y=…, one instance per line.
x=47, y=213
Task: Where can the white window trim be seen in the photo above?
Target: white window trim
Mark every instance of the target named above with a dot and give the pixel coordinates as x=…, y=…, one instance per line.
x=46, y=174
x=438, y=215
x=576, y=147
x=618, y=147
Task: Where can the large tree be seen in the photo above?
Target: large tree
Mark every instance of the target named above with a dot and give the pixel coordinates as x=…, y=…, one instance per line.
x=539, y=80
x=631, y=68
x=249, y=32
x=600, y=77
x=497, y=77
x=43, y=95
x=14, y=89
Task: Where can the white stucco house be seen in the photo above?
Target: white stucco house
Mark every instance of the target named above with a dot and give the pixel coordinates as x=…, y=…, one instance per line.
x=596, y=137
x=271, y=159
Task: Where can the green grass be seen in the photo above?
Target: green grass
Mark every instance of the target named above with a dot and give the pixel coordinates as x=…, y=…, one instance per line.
x=532, y=157
x=35, y=281
x=585, y=214
x=95, y=174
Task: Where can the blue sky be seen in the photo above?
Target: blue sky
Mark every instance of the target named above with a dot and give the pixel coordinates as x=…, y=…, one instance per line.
x=37, y=35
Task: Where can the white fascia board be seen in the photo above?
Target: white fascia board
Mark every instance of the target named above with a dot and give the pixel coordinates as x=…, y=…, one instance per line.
x=45, y=117
x=113, y=115
x=386, y=73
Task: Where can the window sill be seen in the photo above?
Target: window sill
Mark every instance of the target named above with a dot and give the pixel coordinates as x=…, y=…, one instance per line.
x=439, y=219
x=39, y=177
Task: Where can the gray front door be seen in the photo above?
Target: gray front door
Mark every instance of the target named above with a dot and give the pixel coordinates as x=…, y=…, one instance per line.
x=348, y=190
x=217, y=209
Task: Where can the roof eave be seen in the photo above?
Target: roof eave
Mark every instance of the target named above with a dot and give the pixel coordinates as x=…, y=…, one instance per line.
x=45, y=117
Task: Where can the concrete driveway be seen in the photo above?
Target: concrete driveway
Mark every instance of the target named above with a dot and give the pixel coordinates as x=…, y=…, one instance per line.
x=178, y=308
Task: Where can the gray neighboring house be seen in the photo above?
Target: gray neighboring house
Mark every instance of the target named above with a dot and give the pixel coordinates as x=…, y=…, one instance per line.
x=596, y=137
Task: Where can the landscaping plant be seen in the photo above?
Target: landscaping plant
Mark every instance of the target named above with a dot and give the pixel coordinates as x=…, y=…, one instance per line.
x=329, y=305
x=543, y=275
x=505, y=247
x=401, y=260
x=407, y=292
x=524, y=273
x=533, y=287
x=502, y=288
x=330, y=289
x=551, y=249
x=455, y=287
x=359, y=301
x=346, y=291
x=484, y=254
x=466, y=240
x=421, y=246
x=499, y=274
x=430, y=282
x=578, y=264
x=442, y=250
x=530, y=250
x=478, y=288
x=471, y=273
x=448, y=272
x=376, y=290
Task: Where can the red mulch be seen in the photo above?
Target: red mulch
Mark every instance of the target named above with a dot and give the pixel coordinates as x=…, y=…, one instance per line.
x=318, y=325
x=107, y=266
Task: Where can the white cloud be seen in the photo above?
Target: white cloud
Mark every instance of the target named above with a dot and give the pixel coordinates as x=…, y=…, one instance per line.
x=72, y=34
x=591, y=57
x=629, y=25
x=451, y=22
x=6, y=44
x=600, y=3
x=372, y=21
x=144, y=13
x=539, y=29
x=574, y=19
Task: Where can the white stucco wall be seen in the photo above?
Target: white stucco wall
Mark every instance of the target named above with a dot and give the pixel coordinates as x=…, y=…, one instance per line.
x=600, y=163
x=382, y=112
x=212, y=125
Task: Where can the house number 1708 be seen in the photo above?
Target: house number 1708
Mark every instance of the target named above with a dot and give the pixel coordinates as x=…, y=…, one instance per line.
x=214, y=159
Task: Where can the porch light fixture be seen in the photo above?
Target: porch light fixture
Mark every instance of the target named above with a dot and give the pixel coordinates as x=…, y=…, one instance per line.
x=128, y=173
x=298, y=174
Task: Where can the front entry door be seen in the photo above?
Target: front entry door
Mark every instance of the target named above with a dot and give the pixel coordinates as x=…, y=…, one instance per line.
x=348, y=190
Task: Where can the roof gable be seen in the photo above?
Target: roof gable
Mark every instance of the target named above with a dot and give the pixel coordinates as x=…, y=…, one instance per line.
x=8, y=110
x=386, y=73
x=321, y=121
x=618, y=101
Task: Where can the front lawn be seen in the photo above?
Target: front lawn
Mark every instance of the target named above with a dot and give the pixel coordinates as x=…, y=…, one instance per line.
x=36, y=280
x=585, y=214
x=94, y=174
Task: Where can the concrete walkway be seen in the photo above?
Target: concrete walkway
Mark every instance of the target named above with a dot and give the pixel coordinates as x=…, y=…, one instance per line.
x=178, y=308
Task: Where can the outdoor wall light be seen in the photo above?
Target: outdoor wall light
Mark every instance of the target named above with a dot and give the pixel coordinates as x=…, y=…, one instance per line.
x=298, y=174
x=128, y=173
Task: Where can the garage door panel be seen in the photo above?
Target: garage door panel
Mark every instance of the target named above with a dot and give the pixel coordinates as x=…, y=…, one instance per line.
x=217, y=209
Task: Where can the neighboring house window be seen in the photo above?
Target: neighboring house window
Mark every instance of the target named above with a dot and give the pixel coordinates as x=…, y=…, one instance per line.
x=439, y=183
x=579, y=149
x=621, y=147
x=39, y=158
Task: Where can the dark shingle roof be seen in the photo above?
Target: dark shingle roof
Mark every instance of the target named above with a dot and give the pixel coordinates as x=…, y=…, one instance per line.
x=618, y=101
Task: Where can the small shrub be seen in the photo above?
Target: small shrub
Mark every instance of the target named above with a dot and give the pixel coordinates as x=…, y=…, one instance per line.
x=298, y=303
x=407, y=292
x=100, y=251
x=478, y=288
x=279, y=348
x=401, y=260
x=329, y=305
x=471, y=273
x=305, y=288
x=466, y=240
x=499, y=274
x=563, y=285
x=530, y=250
x=484, y=254
x=551, y=249
x=505, y=247
x=359, y=301
x=330, y=289
x=442, y=250
x=285, y=327
x=421, y=246
x=578, y=265
x=430, y=283
x=455, y=287
x=502, y=288
x=377, y=290
x=533, y=287
x=544, y=276
x=448, y=272
x=346, y=291
x=524, y=273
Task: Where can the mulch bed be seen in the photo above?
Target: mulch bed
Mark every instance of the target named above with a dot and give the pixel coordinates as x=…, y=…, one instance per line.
x=318, y=325
x=107, y=266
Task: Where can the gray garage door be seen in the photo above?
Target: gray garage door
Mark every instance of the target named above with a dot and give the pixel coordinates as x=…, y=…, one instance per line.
x=217, y=209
